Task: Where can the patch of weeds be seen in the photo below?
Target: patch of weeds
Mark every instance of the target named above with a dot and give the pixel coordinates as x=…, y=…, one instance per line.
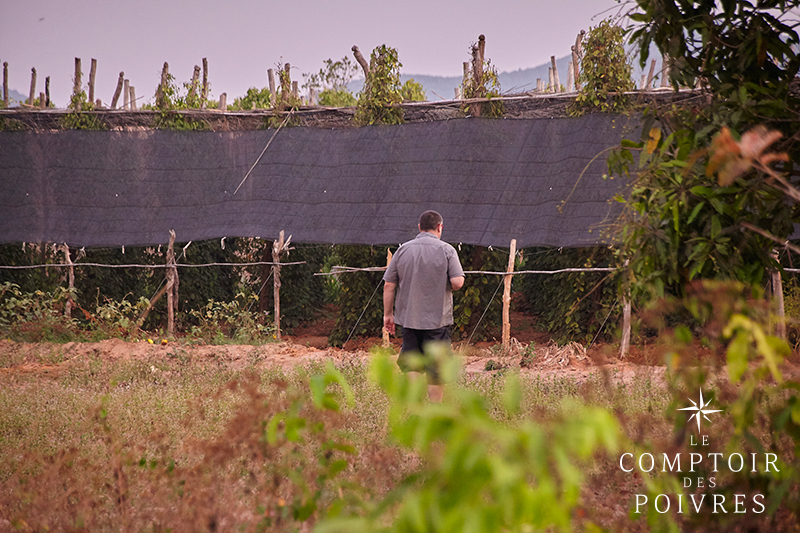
x=491, y=365
x=12, y=124
x=528, y=356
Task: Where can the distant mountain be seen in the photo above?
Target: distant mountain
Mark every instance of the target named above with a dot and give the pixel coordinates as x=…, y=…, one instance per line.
x=14, y=98
x=518, y=81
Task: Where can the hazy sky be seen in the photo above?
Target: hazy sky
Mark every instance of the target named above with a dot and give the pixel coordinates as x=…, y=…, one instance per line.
x=243, y=38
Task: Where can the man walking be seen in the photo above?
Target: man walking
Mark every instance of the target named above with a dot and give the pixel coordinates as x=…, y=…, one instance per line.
x=422, y=276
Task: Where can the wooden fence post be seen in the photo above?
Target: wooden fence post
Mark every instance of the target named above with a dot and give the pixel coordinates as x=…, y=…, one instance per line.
x=664, y=71
x=133, y=97
x=271, y=79
x=5, y=84
x=552, y=81
x=47, y=91
x=71, y=278
x=649, y=83
x=295, y=89
x=477, y=74
x=92, y=74
x=120, y=82
x=161, y=98
x=172, y=278
x=126, y=95
x=277, y=248
x=626, y=326
x=286, y=82
x=386, y=340
x=777, y=296
x=539, y=85
x=42, y=101
x=195, y=81
x=507, y=294
x=570, y=78
x=223, y=102
x=76, y=90
x=576, y=69
x=556, y=81
x=32, y=95
x=205, y=84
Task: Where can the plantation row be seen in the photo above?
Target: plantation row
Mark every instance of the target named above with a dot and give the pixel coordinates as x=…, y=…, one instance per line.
x=236, y=302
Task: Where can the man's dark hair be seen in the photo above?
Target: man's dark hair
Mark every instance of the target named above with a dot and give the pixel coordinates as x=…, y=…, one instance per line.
x=429, y=220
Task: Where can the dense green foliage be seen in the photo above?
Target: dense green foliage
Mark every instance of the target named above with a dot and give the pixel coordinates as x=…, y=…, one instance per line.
x=571, y=306
x=605, y=73
x=722, y=45
x=682, y=225
x=360, y=294
x=253, y=99
x=486, y=86
x=169, y=99
x=412, y=91
x=378, y=102
x=685, y=213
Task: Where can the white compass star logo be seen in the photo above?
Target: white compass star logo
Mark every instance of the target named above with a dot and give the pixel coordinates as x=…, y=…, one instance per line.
x=700, y=410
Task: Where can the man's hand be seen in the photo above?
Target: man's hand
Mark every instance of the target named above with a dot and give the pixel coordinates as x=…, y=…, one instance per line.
x=388, y=306
x=388, y=324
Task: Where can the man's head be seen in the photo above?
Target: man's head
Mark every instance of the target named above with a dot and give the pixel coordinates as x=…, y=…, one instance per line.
x=431, y=221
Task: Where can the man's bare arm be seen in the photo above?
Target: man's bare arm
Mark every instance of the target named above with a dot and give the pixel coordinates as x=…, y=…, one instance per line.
x=456, y=282
x=389, y=290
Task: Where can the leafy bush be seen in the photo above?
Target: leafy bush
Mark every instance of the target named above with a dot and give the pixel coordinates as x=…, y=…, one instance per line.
x=412, y=91
x=482, y=474
x=605, y=73
x=378, y=102
x=253, y=99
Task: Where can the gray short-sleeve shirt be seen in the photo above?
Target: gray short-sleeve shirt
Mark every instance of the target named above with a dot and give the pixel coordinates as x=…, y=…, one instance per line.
x=422, y=269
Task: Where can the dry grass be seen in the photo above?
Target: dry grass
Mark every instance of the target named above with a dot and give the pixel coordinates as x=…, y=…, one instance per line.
x=172, y=445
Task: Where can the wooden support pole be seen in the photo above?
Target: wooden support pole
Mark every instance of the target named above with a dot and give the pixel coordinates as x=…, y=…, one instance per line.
x=161, y=99
x=71, y=281
x=464, y=77
x=552, y=81
x=126, y=95
x=295, y=90
x=361, y=61
x=47, y=91
x=133, y=97
x=642, y=82
x=172, y=275
x=32, y=94
x=42, y=101
x=386, y=340
x=649, y=83
x=195, y=82
x=277, y=247
x=5, y=84
x=664, y=71
x=626, y=327
x=76, y=90
x=777, y=297
x=271, y=79
x=223, y=102
x=92, y=74
x=556, y=81
x=286, y=82
x=120, y=82
x=205, y=84
x=576, y=69
x=539, y=85
x=570, y=78
x=507, y=294
x=477, y=75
